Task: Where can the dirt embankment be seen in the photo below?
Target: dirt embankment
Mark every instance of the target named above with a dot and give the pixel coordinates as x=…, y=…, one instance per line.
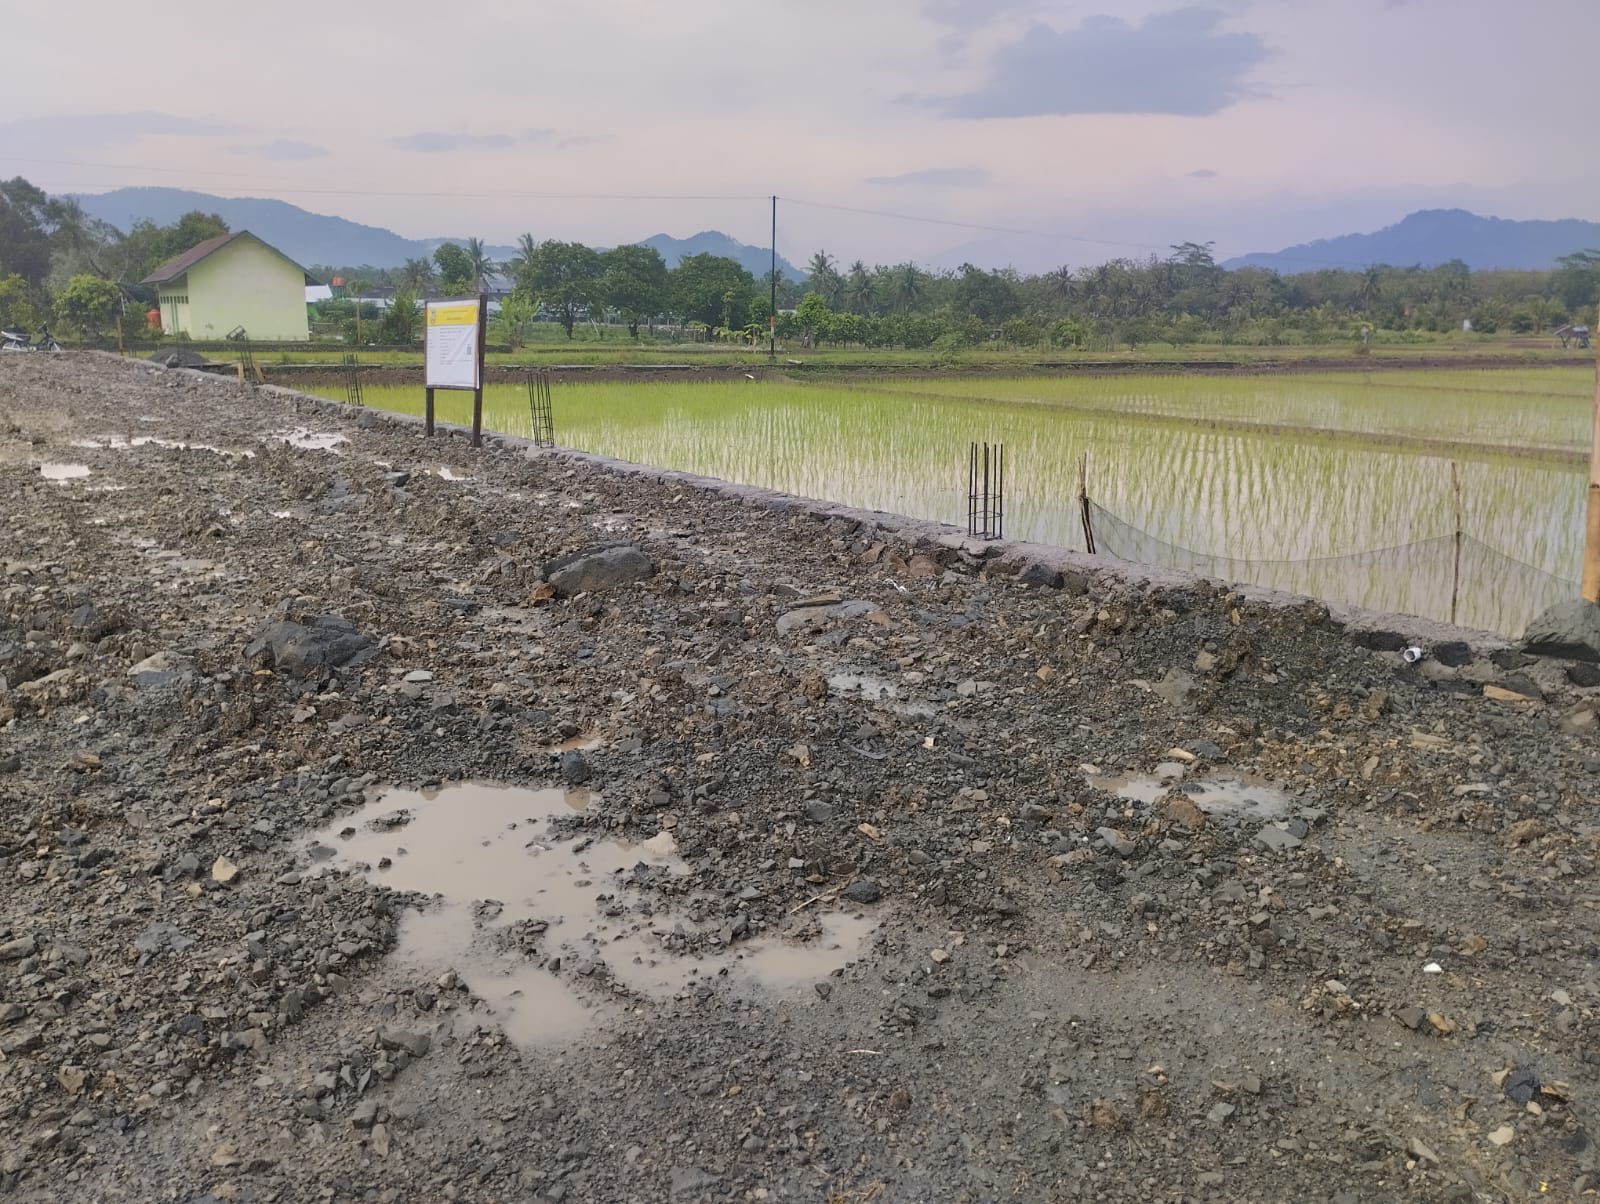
x=325, y=375
x=876, y=868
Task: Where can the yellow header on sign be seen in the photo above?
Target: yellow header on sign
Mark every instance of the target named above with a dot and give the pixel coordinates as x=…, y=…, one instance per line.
x=453, y=315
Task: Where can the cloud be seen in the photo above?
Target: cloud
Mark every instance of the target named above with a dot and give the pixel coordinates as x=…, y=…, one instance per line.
x=935, y=177
x=284, y=150
x=88, y=131
x=968, y=13
x=439, y=142
x=1203, y=173
x=1181, y=62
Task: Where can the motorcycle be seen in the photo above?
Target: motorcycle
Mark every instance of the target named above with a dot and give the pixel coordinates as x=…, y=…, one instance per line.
x=17, y=340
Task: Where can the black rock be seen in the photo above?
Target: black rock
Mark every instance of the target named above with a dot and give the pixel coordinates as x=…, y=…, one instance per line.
x=595, y=569
x=863, y=890
x=1041, y=575
x=574, y=767
x=1579, y=673
x=1519, y=684
x=331, y=641
x=1521, y=1085
x=1382, y=641
x=1452, y=653
x=1570, y=630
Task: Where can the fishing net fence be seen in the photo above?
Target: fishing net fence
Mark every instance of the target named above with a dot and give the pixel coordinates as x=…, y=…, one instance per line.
x=1453, y=578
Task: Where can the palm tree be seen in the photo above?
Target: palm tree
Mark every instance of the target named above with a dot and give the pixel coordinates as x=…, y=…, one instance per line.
x=825, y=280
x=1058, y=284
x=910, y=286
x=482, y=265
x=860, y=296
x=527, y=250
x=1371, y=286
x=417, y=276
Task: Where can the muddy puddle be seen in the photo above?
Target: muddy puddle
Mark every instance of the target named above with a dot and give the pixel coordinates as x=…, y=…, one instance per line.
x=125, y=442
x=879, y=690
x=52, y=471
x=1220, y=797
x=541, y=924
x=309, y=440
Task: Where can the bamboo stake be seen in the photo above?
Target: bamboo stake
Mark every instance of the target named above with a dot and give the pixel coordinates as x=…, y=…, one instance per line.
x=1591, y=543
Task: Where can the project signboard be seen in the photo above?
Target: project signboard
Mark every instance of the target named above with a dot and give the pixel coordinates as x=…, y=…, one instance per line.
x=452, y=357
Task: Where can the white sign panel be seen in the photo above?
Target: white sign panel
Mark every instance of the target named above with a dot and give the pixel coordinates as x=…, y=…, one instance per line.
x=450, y=350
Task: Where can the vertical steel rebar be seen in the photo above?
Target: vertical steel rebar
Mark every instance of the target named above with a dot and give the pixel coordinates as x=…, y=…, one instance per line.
x=1083, y=504
x=1455, y=572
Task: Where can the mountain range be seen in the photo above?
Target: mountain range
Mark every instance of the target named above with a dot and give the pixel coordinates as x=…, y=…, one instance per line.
x=1430, y=237
x=1427, y=238
x=316, y=238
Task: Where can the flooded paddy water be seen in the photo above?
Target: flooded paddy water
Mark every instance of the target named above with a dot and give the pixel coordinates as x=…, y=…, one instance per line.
x=1338, y=485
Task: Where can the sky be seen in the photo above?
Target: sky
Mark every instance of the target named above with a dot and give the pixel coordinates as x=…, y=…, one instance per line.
x=890, y=129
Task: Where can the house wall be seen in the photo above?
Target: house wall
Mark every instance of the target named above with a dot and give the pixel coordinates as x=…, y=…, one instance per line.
x=173, y=302
x=246, y=284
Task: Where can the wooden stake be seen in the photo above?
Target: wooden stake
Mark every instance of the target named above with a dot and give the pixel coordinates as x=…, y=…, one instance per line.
x=1591, y=543
x=427, y=414
x=477, y=392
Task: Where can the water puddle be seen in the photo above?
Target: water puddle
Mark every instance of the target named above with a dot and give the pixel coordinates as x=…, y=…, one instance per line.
x=123, y=443
x=529, y=1002
x=63, y=472
x=867, y=687
x=309, y=440
x=880, y=690
x=537, y=920
x=1231, y=797
x=1217, y=797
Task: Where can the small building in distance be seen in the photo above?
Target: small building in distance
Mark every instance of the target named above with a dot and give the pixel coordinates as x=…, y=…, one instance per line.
x=232, y=281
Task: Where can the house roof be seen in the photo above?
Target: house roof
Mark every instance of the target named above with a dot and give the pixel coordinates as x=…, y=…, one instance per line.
x=180, y=264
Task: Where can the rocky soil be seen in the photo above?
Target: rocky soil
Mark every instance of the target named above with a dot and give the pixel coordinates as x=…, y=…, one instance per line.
x=1170, y=892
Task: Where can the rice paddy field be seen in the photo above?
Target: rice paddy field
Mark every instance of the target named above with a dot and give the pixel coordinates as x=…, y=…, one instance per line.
x=1338, y=485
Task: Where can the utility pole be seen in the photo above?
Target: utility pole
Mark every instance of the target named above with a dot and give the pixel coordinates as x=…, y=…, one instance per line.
x=1591, y=543
x=772, y=317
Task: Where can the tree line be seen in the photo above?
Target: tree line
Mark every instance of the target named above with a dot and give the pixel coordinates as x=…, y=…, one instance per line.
x=57, y=263
x=1183, y=297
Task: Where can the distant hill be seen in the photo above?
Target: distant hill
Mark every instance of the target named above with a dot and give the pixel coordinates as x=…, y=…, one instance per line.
x=1430, y=237
x=755, y=260
x=311, y=238
x=303, y=236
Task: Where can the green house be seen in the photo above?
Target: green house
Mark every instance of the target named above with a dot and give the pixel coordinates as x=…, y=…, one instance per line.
x=233, y=281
